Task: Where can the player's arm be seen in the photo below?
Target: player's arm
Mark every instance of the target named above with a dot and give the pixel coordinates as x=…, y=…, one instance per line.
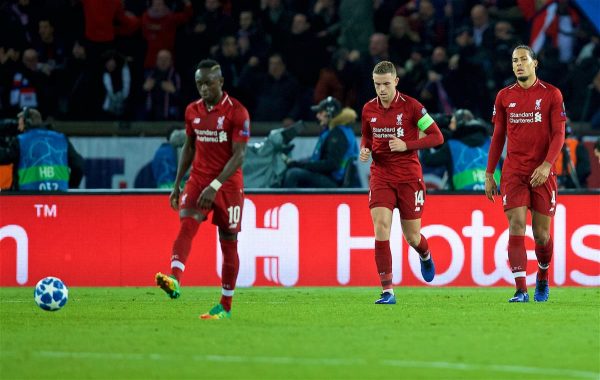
x=433, y=136
x=187, y=155
x=496, y=146
x=557, y=140
x=366, y=141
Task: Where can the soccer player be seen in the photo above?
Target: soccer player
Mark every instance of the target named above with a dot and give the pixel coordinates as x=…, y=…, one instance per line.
x=218, y=129
x=531, y=114
x=391, y=126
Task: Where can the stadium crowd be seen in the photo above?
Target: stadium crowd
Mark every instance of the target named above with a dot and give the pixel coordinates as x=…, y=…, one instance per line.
x=134, y=59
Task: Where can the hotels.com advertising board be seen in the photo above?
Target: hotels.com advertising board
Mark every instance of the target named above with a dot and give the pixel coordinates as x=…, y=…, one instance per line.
x=286, y=240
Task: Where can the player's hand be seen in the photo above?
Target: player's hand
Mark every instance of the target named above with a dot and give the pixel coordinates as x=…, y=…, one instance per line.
x=365, y=154
x=540, y=174
x=174, y=198
x=491, y=188
x=207, y=197
x=397, y=145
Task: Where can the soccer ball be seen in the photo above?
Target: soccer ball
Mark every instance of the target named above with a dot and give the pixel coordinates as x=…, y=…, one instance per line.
x=51, y=294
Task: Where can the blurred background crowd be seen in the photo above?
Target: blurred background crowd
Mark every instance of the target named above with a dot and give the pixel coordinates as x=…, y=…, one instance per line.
x=134, y=60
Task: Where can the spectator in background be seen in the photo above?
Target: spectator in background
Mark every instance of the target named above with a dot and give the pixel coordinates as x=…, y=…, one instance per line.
x=356, y=25
x=18, y=20
x=116, y=81
x=104, y=19
x=335, y=80
x=482, y=29
x=300, y=44
x=465, y=154
x=362, y=65
x=51, y=50
x=30, y=86
x=597, y=150
x=251, y=38
x=164, y=162
x=277, y=21
x=44, y=159
x=325, y=22
x=402, y=40
x=335, y=151
x=159, y=25
x=572, y=163
x=276, y=93
x=162, y=88
x=78, y=90
x=231, y=64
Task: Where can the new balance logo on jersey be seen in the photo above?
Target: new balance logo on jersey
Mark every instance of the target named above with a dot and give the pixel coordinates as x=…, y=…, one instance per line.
x=196, y=120
x=512, y=105
x=373, y=119
x=538, y=104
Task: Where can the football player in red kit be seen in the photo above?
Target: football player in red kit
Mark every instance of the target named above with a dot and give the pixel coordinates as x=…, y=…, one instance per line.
x=531, y=115
x=218, y=129
x=391, y=126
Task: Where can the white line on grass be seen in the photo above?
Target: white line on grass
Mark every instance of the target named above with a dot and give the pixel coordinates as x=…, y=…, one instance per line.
x=328, y=361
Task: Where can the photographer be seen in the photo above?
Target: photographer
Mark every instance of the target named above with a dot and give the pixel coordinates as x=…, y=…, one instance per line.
x=41, y=158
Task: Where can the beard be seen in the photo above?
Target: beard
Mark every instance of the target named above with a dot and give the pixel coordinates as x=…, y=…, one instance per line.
x=523, y=78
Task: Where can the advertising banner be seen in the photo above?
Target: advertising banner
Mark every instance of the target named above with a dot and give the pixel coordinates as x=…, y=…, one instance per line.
x=286, y=240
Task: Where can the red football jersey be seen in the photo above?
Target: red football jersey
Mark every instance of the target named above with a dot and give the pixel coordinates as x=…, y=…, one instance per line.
x=403, y=119
x=216, y=131
x=529, y=118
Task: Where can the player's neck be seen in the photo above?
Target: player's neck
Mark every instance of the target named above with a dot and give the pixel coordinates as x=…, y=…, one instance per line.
x=528, y=83
x=388, y=103
x=210, y=104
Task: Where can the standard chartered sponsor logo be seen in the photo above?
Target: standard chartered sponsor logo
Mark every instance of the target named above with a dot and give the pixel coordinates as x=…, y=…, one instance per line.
x=206, y=135
x=384, y=132
x=524, y=117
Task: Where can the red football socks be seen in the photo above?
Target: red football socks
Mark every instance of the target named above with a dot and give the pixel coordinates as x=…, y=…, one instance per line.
x=544, y=256
x=183, y=245
x=383, y=260
x=517, y=257
x=229, y=271
x=423, y=248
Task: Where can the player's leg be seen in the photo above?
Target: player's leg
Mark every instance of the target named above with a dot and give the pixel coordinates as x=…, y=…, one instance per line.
x=190, y=219
x=411, y=229
x=543, y=209
x=228, y=209
x=516, y=199
x=411, y=203
x=382, y=224
x=517, y=254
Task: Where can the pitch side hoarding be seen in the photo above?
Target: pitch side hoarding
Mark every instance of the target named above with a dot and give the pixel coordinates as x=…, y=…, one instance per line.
x=286, y=240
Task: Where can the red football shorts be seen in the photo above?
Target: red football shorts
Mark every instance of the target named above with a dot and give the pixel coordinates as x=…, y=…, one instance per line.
x=227, y=207
x=517, y=192
x=409, y=198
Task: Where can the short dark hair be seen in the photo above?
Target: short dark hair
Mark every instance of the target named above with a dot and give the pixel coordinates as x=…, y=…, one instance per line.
x=385, y=67
x=208, y=64
x=528, y=48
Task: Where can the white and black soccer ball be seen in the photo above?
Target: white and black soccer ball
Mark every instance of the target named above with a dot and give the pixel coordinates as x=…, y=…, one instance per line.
x=51, y=294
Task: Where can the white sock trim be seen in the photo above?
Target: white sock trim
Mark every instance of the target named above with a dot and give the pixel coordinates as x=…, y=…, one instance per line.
x=391, y=291
x=177, y=264
x=519, y=274
x=543, y=266
x=426, y=257
x=226, y=292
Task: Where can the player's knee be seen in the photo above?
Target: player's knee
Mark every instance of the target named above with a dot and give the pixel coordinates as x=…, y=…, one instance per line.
x=413, y=239
x=517, y=227
x=541, y=236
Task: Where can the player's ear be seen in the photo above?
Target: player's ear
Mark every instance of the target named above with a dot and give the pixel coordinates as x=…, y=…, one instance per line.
x=396, y=80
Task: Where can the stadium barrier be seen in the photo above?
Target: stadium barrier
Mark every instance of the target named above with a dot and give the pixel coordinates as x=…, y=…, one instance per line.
x=287, y=239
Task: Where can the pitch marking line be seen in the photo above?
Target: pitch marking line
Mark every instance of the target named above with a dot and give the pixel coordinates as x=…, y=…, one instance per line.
x=329, y=361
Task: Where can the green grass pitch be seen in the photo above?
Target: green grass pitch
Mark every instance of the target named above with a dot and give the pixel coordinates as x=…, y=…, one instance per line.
x=302, y=333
